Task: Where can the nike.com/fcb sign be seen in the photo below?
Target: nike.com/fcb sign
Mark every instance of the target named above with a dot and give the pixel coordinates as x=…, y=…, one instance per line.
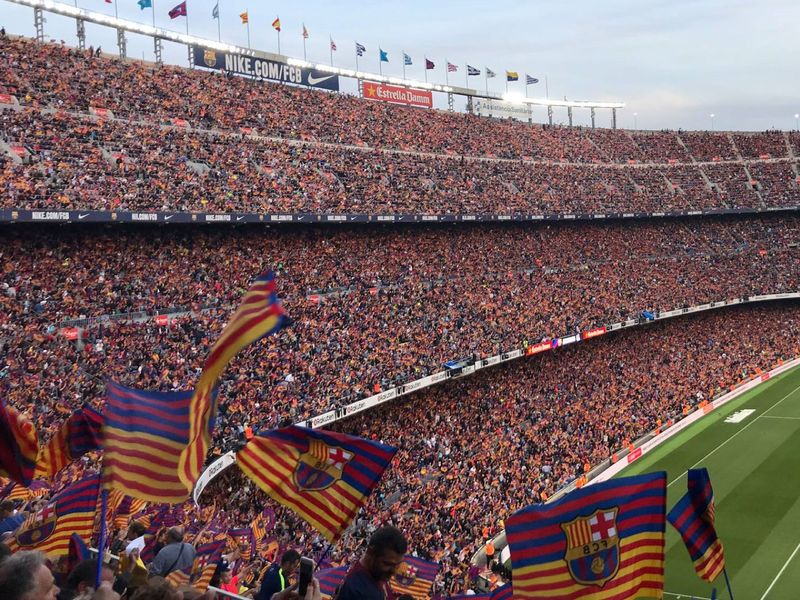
x=260, y=68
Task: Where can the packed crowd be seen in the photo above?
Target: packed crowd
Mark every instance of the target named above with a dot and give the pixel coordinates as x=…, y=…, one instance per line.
x=371, y=309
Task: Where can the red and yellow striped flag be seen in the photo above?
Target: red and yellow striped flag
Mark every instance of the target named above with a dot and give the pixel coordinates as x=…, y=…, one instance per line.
x=79, y=434
x=259, y=314
x=18, y=445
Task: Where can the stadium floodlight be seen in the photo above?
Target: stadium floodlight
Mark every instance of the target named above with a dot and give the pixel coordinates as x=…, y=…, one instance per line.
x=796, y=118
x=712, y=121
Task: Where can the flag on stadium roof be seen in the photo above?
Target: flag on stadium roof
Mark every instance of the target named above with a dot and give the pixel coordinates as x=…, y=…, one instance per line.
x=323, y=476
x=333, y=45
x=429, y=64
x=415, y=577
x=145, y=4
x=490, y=73
x=693, y=517
x=330, y=579
x=178, y=11
x=215, y=11
x=530, y=80
x=70, y=511
x=276, y=25
x=406, y=59
x=19, y=445
x=145, y=433
x=609, y=536
x=305, y=32
x=360, y=49
x=472, y=71
x=384, y=56
x=451, y=67
x=259, y=314
x=512, y=76
x=244, y=17
x=79, y=434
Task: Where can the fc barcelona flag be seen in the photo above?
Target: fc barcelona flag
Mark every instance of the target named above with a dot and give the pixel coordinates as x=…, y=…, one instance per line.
x=18, y=445
x=71, y=511
x=324, y=477
x=199, y=574
x=245, y=541
x=604, y=542
x=259, y=314
x=80, y=433
x=415, y=577
x=693, y=517
x=330, y=580
x=504, y=592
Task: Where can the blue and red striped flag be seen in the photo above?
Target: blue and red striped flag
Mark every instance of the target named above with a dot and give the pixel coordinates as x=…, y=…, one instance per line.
x=245, y=541
x=18, y=445
x=199, y=574
x=145, y=433
x=693, y=517
x=415, y=577
x=324, y=477
x=330, y=580
x=71, y=511
x=80, y=433
x=259, y=315
x=503, y=592
x=77, y=553
x=606, y=538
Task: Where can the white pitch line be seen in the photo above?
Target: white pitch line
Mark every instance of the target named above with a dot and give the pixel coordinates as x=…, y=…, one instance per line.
x=733, y=436
x=687, y=596
x=778, y=417
x=783, y=568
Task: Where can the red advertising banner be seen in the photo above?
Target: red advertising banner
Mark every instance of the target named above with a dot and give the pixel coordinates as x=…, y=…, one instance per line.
x=637, y=453
x=162, y=320
x=537, y=348
x=397, y=94
x=6, y=99
x=591, y=333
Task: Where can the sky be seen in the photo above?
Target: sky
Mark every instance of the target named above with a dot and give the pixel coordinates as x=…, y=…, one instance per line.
x=673, y=62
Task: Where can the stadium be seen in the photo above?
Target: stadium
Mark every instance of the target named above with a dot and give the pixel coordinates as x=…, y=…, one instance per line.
x=262, y=307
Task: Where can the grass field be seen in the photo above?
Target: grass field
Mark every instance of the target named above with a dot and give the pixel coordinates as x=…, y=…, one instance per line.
x=755, y=470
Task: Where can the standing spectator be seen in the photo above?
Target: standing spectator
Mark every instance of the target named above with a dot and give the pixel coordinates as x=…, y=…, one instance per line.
x=369, y=578
x=176, y=555
x=9, y=519
x=276, y=579
x=25, y=576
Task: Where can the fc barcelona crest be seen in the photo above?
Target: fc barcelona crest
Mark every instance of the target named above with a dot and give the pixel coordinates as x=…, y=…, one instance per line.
x=37, y=530
x=210, y=58
x=406, y=575
x=320, y=466
x=592, y=553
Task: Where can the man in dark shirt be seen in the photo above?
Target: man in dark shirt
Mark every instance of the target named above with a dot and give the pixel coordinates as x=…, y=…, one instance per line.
x=369, y=578
x=276, y=579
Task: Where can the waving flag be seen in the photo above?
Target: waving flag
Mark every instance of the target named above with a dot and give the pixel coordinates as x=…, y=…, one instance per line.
x=178, y=11
x=504, y=592
x=145, y=4
x=19, y=446
x=244, y=17
x=472, y=71
x=406, y=59
x=360, y=49
x=512, y=76
x=324, y=477
x=276, y=25
x=530, y=80
x=330, y=580
x=605, y=538
x=263, y=523
x=383, y=55
x=451, y=67
x=490, y=73
x=71, y=511
x=305, y=32
x=215, y=11
x=693, y=517
x=259, y=315
x=80, y=433
x=199, y=574
x=429, y=64
x=333, y=45
x=245, y=540
x=414, y=577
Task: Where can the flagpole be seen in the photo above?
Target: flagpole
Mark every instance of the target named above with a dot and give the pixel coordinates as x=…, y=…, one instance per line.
x=446, y=71
x=728, y=583
x=101, y=543
x=404, y=64
x=380, y=60
x=330, y=39
x=279, y=45
x=187, y=19
x=247, y=11
x=546, y=88
x=116, y=9
x=219, y=27
x=466, y=77
x=154, y=12
x=426, y=69
x=487, y=80
x=304, y=43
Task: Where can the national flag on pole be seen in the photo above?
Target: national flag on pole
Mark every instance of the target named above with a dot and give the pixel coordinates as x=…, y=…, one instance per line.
x=406, y=59
x=472, y=71
x=415, y=577
x=333, y=45
x=244, y=17
x=429, y=64
x=215, y=11
x=330, y=580
x=530, y=80
x=512, y=76
x=384, y=56
x=259, y=314
x=305, y=32
x=693, y=517
x=323, y=476
x=19, y=446
x=145, y=433
x=70, y=511
x=276, y=25
x=178, y=11
x=80, y=433
x=490, y=73
x=145, y=4
x=504, y=592
x=360, y=49
x=451, y=67
x=606, y=537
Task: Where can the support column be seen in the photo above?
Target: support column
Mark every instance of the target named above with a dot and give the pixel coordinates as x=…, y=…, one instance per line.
x=569, y=115
x=469, y=104
x=550, y=114
x=593, y=117
x=613, y=118
x=81, y=25
x=122, y=43
x=157, y=50
x=190, y=53
x=450, y=102
x=360, y=88
x=38, y=23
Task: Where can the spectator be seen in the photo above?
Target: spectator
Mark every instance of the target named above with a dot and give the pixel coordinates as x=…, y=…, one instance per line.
x=80, y=584
x=369, y=578
x=277, y=576
x=175, y=556
x=10, y=519
x=25, y=576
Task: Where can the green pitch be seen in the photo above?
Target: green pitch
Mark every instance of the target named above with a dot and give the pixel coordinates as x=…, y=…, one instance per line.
x=755, y=470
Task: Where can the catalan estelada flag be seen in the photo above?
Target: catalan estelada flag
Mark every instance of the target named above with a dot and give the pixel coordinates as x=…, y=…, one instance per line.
x=144, y=435
x=259, y=314
x=693, y=517
x=330, y=580
x=415, y=577
x=604, y=542
x=18, y=445
x=80, y=433
x=324, y=477
x=71, y=511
